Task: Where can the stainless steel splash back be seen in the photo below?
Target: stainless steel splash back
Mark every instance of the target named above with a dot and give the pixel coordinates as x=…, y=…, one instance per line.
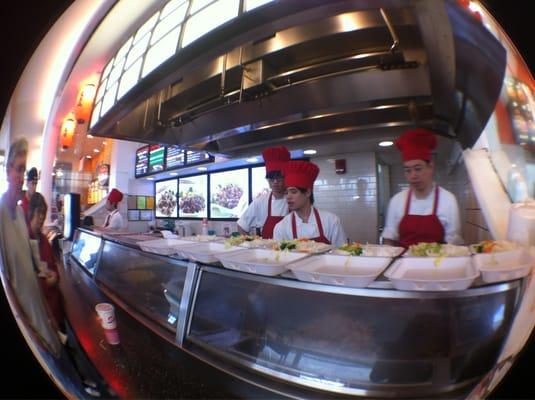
x=317, y=72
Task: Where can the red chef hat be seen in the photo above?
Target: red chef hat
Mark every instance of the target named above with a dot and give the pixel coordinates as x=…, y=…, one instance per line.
x=300, y=174
x=115, y=196
x=275, y=158
x=416, y=144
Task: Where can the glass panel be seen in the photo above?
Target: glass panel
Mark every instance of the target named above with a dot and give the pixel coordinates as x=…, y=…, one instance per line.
x=107, y=69
x=209, y=18
x=109, y=99
x=172, y=5
x=115, y=73
x=161, y=51
x=146, y=27
x=341, y=340
x=137, y=51
x=85, y=249
x=197, y=5
x=101, y=90
x=96, y=114
x=252, y=4
x=129, y=79
x=165, y=25
x=123, y=50
x=149, y=284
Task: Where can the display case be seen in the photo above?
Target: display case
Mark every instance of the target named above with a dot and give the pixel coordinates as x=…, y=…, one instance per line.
x=352, y=341
x=150, y=284
x=86, y=250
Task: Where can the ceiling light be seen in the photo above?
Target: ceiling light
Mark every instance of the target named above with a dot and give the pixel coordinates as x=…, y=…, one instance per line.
x=386, y=143
x=173, y=174
x=90, y=136
x=202, y=168
x=150, y=178
x=310, y=152
x=96, y=150
x=104, y=143
x=252, y=160
x=88, y=156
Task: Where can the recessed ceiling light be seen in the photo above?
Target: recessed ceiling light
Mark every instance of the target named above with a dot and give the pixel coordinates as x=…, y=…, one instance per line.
x=150, y=178
x=202, y=168
x=90, y=136
x=386, y=143
x=252, y=160
x=104, y=143
x=310, y=152
x=173, y=173
x=88, y=157
x=96, y=150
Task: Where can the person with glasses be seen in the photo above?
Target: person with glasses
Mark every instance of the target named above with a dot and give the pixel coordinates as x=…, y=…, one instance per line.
x=268, y=209
x=425, y=212
x=32, y=178
x=305, y=221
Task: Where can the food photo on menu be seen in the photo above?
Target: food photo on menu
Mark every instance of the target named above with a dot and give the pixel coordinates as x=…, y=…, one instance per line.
x=193, y=192
x=229, y=192
x=166, y=199
x=259, y=182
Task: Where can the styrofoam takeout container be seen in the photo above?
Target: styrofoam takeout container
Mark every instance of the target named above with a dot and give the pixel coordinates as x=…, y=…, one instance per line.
x=260, y=261
x=432, y=274
x=503, y=266
x=341, y=270
x=164, y=247
x=207, y=252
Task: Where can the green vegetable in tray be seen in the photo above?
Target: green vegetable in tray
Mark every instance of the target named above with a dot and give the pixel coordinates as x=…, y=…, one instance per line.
x=288, y=245
x=354, y=249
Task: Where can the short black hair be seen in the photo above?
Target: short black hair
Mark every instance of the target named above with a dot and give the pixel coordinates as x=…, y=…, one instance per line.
x=274, y=174
x=37, y=202
x=303, y=190
x=32, y=174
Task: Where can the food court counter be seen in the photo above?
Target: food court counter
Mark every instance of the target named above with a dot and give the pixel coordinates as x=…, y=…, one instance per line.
x=263, y=336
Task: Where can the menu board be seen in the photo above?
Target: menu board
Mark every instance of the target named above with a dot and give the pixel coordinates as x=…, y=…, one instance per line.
x=142, y=161
x=193, y=193
x=259, y=183
x=141, y=202
x=197, y=157
x=166, y=199
x=150, y=203
x=229, y=192
x=176, y=157
x=133, y=215
x=156, y=157
x=145, y=215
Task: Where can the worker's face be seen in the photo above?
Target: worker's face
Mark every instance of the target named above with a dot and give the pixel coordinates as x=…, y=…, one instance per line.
x=297, y=199
x=419, y=174
x=15, y=175
x=37, y=221
x=276, y=185
x=32, y=187
x=109, y=205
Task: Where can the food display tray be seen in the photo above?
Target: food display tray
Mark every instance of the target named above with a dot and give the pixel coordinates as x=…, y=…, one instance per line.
x=260, y=261
x=503, y=266
x=330, y=269
x=432, y=274
x=374, y=250
x=203, y=238
x=208, y=253
x=164, y=247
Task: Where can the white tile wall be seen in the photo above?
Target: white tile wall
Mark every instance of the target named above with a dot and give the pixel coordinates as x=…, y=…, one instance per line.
x=352, y=196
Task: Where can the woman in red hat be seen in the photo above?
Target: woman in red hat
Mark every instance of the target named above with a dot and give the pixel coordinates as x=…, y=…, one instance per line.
x=305, y=220
x=425, y=212
x=114, y=220
x=270, y=208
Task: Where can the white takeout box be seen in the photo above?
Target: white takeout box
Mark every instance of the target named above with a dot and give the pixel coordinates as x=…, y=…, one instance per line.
x=203, y=238
x=330, y=269
x=207, y=252
x=164, y=247
x=504, y=265
x=432, y=274
x=260, y=261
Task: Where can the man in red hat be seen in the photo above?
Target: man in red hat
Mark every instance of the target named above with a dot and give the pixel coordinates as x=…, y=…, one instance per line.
x=425, y=212
x=268, y=209
x=305, y=220
x=114, y=220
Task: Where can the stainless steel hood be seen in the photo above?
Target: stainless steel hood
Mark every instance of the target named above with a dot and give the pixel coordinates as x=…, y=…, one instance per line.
x=296, y=72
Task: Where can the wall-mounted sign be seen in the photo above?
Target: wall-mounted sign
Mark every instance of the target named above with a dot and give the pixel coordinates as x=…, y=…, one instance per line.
x=156, y=157
x=175, y=158
x=142, y=161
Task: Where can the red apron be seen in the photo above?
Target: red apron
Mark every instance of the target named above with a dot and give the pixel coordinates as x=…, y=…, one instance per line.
x=321, y=238
x=271, y=221
x=420, y=228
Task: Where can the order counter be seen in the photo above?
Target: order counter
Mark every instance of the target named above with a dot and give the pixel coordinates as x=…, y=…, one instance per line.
x=200, y=330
